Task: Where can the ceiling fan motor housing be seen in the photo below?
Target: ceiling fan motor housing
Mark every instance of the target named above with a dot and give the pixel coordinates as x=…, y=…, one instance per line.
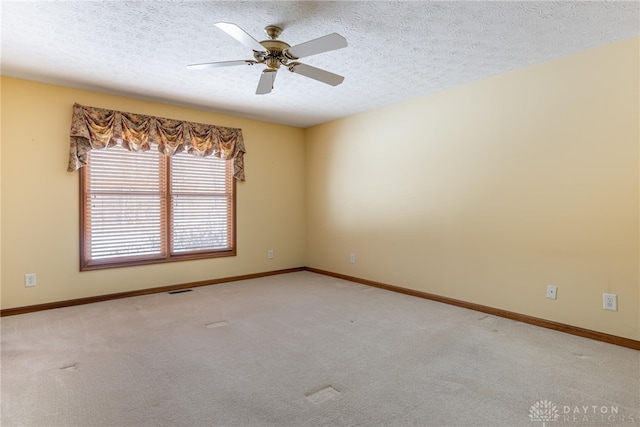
x=274, y=55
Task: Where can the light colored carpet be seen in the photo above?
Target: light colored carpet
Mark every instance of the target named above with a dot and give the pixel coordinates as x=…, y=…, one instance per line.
x=303, y=349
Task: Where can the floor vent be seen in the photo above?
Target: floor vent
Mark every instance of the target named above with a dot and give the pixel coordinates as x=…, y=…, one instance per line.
x=181, y=291
x=71, y=367
x=322, y=395
x=217, y=324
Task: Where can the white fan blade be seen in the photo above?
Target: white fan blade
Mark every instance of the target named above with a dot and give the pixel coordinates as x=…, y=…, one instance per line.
x=265, y=85
x=316, y=73
x=313, y=47
x=241, y=35
x=221, y=64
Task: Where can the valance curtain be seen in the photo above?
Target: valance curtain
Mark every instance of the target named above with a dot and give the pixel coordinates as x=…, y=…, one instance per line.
x=98, y=128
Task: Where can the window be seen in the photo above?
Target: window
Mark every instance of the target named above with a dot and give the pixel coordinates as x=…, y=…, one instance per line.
x=146, y=207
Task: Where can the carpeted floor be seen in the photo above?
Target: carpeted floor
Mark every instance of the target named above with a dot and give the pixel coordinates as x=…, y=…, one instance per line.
x=302, y=349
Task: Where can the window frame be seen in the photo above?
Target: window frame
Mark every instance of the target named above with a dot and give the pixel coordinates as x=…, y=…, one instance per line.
x=86, y=264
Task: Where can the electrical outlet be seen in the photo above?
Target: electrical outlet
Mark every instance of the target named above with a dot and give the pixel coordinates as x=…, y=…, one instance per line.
x=29, y=280
x=610, y=302
x=352, y=258
x=552, y=291
x=270, y=254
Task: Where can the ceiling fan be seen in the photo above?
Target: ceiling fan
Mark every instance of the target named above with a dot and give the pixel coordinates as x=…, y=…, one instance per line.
x=274, y=53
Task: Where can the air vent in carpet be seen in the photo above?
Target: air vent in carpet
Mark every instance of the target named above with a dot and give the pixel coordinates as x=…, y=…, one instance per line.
x=322, y=395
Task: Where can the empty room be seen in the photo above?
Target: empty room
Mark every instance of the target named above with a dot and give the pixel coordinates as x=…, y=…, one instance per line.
x=319, y=213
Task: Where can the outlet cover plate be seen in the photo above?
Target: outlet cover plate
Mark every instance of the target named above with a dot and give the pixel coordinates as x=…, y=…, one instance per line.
x=29, y=280
x=610, y=302
x=552, y=291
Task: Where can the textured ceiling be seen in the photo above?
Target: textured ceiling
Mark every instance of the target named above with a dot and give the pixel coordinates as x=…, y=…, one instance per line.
x=397, y=50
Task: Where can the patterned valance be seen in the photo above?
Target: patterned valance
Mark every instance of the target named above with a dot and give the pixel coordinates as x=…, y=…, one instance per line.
x=95, y=128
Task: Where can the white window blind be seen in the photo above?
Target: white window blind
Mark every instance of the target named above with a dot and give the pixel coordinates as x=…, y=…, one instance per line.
x=143, y=207
x=201, y=200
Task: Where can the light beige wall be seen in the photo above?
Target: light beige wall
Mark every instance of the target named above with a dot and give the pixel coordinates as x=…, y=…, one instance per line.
x=489, y=192
x=0, y=196
x=40, y=199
